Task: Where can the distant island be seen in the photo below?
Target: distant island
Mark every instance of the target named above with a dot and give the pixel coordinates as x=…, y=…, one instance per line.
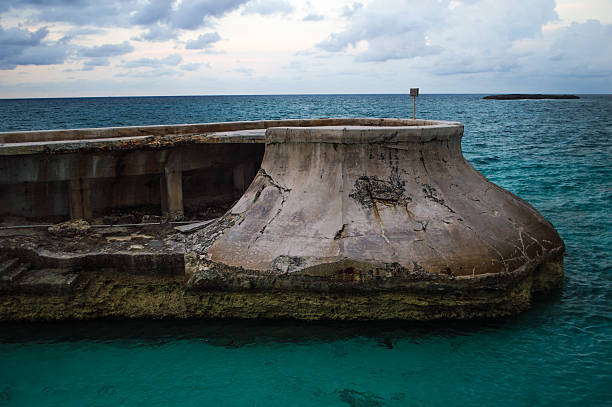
x=517, y=96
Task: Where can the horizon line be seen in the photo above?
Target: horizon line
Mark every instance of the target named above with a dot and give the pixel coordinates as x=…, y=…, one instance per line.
x=299, y=94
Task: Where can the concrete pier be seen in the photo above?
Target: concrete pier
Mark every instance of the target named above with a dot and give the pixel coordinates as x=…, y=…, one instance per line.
x=338, y=219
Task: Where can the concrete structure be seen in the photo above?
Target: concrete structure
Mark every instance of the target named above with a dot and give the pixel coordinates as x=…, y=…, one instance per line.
x=54, y=177
x=345, y=219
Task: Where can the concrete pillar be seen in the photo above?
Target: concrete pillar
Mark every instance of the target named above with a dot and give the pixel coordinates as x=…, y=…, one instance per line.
x=172, y=188
x=80, y=199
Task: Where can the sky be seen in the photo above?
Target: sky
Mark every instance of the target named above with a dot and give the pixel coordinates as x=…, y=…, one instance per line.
x=64, y=48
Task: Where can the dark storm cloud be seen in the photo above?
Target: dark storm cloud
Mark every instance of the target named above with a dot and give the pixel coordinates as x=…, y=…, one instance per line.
x=186, y=14
x=191, y=14
x=153, y=12
x=77, y=12
x=23, y=47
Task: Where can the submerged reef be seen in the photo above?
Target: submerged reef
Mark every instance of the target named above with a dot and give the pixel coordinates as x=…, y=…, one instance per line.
x=520, y=96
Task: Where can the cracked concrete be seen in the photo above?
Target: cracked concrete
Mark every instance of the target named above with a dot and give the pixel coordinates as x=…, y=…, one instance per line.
x=347, y=204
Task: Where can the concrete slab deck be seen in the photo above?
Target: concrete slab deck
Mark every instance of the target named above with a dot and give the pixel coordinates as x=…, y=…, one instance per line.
x=130, y=142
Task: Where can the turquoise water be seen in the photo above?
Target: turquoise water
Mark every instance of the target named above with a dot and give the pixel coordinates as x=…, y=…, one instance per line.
x=555, y=154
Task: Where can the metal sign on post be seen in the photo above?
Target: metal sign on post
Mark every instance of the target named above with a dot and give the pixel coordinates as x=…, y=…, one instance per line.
x=414, y=92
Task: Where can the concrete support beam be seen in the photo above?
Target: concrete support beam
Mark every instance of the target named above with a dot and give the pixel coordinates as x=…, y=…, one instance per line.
x=80, y=199
x=240, y=179
x=172, y=188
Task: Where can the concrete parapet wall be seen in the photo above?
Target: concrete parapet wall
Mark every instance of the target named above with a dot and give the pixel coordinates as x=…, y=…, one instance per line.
x=201, y=128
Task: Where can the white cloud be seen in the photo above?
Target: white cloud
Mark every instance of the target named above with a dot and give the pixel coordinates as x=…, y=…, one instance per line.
x=170, y=60
x=350, y=10
x=106, y=50
x=204, y=41
x=193, y=66
x=99, y=55
x=157, y=33
x=392, y=29
x=267, y=7
x=313, y=17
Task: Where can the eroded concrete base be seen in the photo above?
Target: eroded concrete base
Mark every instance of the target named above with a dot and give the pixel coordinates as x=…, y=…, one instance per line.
x=107, y=280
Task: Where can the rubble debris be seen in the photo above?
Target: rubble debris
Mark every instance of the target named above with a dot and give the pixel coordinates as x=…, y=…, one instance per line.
x=70, y=228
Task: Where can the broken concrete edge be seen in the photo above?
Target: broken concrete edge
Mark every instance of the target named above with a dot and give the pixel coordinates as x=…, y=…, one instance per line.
x=147, y=263
x=175, y=285
x=292, y=274
x=196, y=129
x=131, y=143
x=193, y=226
x=117, y=295
x=359, y=277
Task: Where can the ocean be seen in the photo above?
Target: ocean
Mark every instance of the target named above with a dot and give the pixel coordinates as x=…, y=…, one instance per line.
x=556, y=154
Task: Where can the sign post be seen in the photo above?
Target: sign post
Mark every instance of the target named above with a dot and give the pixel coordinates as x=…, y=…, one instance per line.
x=414, y=92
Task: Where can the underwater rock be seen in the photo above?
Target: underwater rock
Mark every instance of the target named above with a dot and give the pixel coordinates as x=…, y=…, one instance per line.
x=521, y=96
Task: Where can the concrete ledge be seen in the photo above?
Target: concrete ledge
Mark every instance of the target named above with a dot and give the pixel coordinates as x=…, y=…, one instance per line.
x=193, y=129
x=364, y=134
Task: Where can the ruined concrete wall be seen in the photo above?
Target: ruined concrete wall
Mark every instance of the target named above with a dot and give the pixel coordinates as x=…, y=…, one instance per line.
x=39, y=186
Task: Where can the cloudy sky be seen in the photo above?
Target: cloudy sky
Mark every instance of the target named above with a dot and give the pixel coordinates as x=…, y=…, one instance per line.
x=53, y=48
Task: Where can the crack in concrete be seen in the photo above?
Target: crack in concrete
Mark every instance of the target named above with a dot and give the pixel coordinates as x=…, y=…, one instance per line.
x=267, y=176
x=283, y=191
x=431, y=194
x=422, y=158
x=501, y=260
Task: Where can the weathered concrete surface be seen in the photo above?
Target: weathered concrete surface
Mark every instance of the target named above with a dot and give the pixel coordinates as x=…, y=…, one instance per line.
x=352, y=219
x=377, y=210
x=375, y=196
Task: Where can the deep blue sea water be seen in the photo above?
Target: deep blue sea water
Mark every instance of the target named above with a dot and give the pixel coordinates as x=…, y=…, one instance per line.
x=556, y=154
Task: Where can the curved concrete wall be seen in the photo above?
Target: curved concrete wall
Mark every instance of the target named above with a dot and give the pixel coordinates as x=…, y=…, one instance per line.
x=331, y=197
